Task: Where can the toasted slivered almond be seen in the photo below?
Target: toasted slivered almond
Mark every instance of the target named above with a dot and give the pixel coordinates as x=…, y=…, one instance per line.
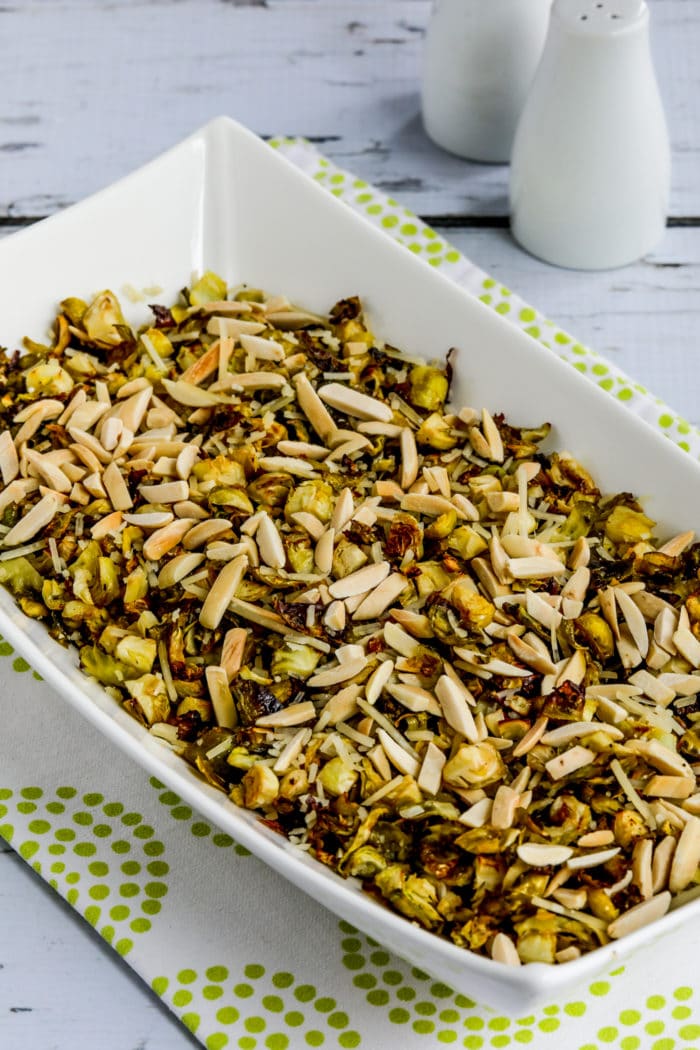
x=353, y=403
x=574, y=899
x=168, y=492
x=432, y=506
x=580, y=554
x=687, y=645
x=310, y=523
x=493, y=436
x=109, y=525
x=543, y=855
x=430, y=775
x=232, y=327
x=396, y=638
x=416, y=624
x=342, y=673
x=346, y=448
x=464, y=507
x=502, y=502
x=9, y=462
x=595, y=839
x=133, y=409
x=116, y=488
x=686, y=857
x=191, y=395
x=47, y=471
x=652, y=687
x=343, y=510
x=577, y=584
x=93, y=484
x=677, y=544
x=455, y=708
x=323, y=552
x=262, y=349
x=504, y=951
x=33, y=521
x=409, y=458
x=87, y=414
x=541, y=610
x=302, y=448
x=156, y=519
x=608, y=607
x=665, y=626
x=334, y=617
x=661, y=862
x=110, y=433
x=249, y=381
x=505, y=804
x=294, y=715
x=361, y=581
x=206, y=531
x=569, y=761
x=640, y=915
x=592, y=860
x=530, y=656
x=397, y=755
x=178, y=568
x=532, y=737
x=379, y=599
x=377, y=680
x=312, y=407
x=634, y=620
x=576, y=730
x=664, y=786
x=259, y=615
x=478, y=814
x=641, y=867
x=232, y=650
x=574, y=669
x=413, y=697
x=661, y=757
x=163, y=540
x=291, y=750
x=203, y=367
x=185, y=461
x=479, y=443
x=270, y=543
x=535, y=568
x=224, y=708
x=222, y=591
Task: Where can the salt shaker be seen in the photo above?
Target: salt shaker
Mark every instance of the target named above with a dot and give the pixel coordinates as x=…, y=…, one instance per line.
x=590, y=171
x=480, y=58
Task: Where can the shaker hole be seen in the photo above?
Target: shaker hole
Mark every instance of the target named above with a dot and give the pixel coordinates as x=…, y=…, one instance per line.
x=584, y=18
x=614, y=16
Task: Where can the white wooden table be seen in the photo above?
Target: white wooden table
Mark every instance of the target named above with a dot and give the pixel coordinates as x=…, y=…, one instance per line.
x=92, y=89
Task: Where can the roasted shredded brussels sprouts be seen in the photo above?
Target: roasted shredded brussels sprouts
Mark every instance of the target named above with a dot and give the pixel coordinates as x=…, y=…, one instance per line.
x=422, y=647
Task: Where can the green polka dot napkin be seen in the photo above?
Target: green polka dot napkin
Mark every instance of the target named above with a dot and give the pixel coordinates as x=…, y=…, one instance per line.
x=242, y=957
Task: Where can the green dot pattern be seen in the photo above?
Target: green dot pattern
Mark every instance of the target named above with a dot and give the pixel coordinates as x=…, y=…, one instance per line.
x=90, y=875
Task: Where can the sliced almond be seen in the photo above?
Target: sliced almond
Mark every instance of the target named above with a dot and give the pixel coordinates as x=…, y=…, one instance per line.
x=543, y=855
x=178, y=568
x=160, y=542
x=569, y=761
x=222, y=591
x=661, y=863
x=9, y=462
x=353, y=403
x=33, y=521
x=397, y=755
x=592, y=860
x=640, y=915
x=116, y=488
x=224, y=708
x=379, y=599
x=504, y=951
x=430, y=775
x=361, y=581
x=270, y=543
x=323, y=553
x=294, y=715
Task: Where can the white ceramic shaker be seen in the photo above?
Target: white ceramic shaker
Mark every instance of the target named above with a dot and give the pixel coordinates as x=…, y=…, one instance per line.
x=591, y=168
x=480, y=58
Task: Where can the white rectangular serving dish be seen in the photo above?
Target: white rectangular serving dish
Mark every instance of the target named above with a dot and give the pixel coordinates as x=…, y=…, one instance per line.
x=224, y=200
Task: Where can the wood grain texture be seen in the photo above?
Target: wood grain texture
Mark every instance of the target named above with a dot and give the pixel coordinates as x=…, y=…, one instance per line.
x=92, y=90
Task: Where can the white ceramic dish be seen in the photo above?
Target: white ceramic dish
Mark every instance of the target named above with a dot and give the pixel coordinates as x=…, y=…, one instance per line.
x=224, y=200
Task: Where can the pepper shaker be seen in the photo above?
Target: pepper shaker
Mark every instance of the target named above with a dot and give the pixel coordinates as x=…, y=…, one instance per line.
x=480, y=58
x=590, y=171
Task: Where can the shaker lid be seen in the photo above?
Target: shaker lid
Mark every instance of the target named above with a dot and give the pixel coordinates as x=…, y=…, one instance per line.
x=601, y=17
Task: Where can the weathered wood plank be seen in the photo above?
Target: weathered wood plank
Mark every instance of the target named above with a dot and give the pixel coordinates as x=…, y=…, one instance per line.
x=61, y=986
x=93, y=90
